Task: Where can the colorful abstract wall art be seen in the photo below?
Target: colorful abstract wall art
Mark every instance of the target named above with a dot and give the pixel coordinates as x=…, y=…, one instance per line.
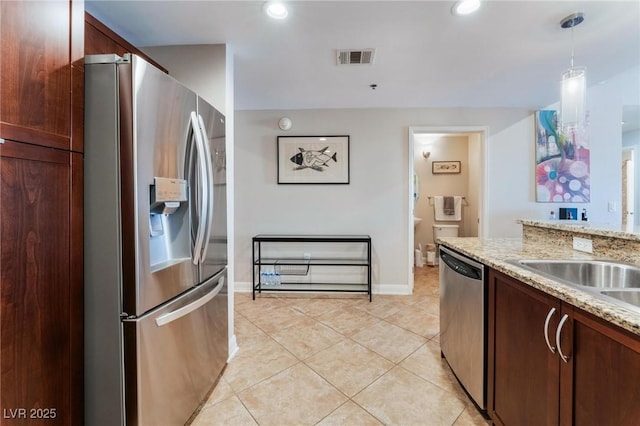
x=562, y=161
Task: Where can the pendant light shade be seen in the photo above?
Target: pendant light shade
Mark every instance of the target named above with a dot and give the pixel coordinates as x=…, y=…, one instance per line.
x=573, y=97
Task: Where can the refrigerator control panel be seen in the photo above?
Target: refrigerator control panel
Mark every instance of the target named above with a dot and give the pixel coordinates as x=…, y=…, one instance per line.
x=167, y=194
x=169, y=189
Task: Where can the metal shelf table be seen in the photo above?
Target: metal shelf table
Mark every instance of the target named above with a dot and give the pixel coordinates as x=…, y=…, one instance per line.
x=291, y=266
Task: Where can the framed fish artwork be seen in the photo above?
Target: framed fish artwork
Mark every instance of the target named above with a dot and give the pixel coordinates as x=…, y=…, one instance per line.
x=313, y=159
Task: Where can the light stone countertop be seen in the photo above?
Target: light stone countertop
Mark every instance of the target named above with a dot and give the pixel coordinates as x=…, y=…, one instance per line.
x=626, y=232
x=495, y=252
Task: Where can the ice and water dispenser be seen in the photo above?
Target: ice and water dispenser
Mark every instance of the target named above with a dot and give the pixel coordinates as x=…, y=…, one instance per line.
x=169, y=239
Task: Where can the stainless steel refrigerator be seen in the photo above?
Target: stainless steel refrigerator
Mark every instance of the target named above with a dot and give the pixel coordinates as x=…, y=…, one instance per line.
x=156, y=337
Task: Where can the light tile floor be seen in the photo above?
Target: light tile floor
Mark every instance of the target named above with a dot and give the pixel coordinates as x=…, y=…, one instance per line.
x=332, y=360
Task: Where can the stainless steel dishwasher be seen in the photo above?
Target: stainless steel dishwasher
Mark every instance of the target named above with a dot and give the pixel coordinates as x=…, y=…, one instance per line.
x=463, y=321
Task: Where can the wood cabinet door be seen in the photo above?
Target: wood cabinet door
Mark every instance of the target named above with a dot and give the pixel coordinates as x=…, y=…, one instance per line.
x=600, y=383
x=77, y=75
x=100, y=39
x=39, y=45
x=41, y=285
x=523, y=373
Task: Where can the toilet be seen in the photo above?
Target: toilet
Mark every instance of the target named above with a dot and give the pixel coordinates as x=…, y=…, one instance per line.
x=442, y=231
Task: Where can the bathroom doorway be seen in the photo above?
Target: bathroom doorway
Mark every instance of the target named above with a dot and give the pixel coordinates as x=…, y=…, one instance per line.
x=430, y=148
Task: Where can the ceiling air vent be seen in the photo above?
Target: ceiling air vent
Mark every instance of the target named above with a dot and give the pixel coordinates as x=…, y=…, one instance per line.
x=350, y=57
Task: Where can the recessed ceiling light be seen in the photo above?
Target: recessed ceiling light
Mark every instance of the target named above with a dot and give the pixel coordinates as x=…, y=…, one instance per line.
x=465, y=7
x=275, y=10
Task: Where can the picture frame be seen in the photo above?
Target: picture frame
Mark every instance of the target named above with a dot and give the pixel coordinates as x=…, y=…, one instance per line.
x=563, y=161
x=313, y=159
x=446, y=167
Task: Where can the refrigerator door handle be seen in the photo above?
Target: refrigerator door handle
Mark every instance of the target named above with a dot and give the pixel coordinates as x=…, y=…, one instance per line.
x=200, y=235
x=187, y=309
x=207, y=187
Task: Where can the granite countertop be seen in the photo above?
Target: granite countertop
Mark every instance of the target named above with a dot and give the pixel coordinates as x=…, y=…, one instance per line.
x=495, y=252
x=626, y=232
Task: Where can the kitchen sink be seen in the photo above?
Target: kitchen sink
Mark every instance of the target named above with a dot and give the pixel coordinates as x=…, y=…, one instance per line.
x=617, y=282
x=589, y=273
x=632, y=297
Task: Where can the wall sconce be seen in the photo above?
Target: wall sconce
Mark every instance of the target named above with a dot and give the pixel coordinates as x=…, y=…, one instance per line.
x=426, y=154
x=574, y=84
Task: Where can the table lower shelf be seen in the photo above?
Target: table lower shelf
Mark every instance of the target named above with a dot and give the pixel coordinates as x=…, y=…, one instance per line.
x=294, y=272
x=319, y=287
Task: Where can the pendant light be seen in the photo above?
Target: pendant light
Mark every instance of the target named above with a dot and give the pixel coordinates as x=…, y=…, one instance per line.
x=574, y=84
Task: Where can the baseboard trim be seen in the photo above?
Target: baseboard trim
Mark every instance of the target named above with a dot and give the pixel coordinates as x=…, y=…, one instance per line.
x=233, y=348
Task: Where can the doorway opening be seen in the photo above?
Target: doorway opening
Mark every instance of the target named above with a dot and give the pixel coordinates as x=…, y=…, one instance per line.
x=431, y=148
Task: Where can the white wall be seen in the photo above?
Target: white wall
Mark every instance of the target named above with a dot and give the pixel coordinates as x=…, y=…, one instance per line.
x=231, y=191
x=605, y=102
x=201, y=67
x=471, y=213
x=376, y=201
x=632, y=140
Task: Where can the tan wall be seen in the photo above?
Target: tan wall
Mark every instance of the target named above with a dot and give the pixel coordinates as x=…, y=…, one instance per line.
x=442, y=148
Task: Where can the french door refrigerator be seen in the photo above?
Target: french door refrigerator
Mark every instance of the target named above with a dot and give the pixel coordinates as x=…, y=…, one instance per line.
x=156, y=337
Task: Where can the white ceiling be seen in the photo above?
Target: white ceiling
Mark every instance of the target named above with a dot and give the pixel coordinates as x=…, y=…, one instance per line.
x=508, y=54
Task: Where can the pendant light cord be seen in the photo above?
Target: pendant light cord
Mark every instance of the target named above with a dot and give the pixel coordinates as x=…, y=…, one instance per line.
x=572, y=21
x=572, y=45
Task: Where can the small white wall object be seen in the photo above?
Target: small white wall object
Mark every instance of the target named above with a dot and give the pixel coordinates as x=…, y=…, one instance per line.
x=285, y=123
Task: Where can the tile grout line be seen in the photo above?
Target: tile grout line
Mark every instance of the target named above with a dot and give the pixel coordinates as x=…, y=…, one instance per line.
x=311, y=314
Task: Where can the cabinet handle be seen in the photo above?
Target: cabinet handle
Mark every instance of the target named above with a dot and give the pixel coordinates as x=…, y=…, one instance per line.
x=546, y=330
x=564, y=319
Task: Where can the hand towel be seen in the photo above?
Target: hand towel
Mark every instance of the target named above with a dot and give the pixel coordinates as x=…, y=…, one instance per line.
x=438, y=206
x=447, y=206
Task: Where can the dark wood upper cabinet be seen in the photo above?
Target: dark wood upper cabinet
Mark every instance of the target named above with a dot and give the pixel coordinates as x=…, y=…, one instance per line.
x=39, y=44
x=100, y=39
x=77, y=76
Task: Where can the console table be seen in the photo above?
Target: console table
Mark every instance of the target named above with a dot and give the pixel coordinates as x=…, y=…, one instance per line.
x=291, y=267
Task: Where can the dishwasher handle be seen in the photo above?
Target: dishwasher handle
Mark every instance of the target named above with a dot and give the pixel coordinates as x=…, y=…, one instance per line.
x=460, y=266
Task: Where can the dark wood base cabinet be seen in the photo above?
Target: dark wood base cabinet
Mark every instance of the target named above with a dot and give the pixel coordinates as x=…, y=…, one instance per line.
x=523, y=373
x=587, y=373
x=601, y=382
x=41, y=273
